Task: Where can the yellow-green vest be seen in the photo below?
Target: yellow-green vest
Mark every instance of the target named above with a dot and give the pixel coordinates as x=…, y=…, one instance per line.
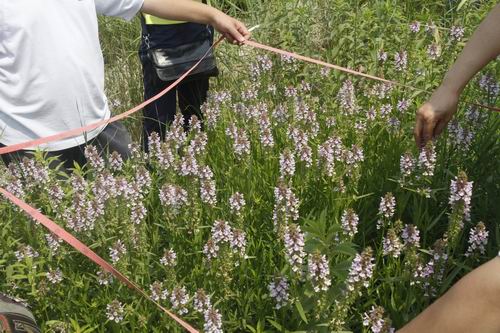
x=150, y=19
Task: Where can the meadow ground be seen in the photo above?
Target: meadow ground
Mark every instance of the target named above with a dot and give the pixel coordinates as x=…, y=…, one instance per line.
x=304, y=206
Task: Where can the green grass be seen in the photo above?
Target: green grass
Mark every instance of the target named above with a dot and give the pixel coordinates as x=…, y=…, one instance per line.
x=347, y=33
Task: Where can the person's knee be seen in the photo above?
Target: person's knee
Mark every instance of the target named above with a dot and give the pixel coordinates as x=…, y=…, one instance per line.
x=486, y=280
x=495, y=272
x=491, y=286
x=115, y=137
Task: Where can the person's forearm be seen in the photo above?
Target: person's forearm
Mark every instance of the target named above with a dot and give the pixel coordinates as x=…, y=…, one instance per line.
x=483, y=47
x=180, y=10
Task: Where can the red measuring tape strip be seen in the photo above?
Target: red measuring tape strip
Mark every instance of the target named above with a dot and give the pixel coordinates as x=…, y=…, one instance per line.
x=491, y=108
x=83, y=249
x=344, y=69
x=319, y=62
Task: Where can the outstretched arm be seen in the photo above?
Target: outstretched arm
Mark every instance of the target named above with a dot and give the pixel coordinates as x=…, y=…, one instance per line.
x=187, y=10
x=483, y=47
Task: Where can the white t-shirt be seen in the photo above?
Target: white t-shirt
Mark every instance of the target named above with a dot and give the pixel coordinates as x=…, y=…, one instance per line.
x=51, y=67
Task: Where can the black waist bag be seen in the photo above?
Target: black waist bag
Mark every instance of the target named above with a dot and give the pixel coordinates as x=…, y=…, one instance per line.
x=171, y=63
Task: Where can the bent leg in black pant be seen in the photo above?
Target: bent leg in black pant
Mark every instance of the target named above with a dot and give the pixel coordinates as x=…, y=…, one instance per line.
x=161, y=113
x=192, y=95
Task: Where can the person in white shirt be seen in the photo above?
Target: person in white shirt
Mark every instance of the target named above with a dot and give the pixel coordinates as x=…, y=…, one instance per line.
x=52, y=70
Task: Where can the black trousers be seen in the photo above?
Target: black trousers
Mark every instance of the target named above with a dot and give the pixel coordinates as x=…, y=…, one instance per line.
x=114, y=137
x=161, y=113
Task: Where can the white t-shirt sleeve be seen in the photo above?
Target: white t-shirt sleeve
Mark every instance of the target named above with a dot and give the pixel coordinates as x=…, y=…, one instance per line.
x=126, y=9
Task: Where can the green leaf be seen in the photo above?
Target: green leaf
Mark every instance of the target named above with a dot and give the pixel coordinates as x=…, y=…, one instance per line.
x=340, y=269
x=275, y=324
x=461, y=4
x=345, y=248
x=260, y=326
x=300, y=309
x=250, y=328
x=313, y=245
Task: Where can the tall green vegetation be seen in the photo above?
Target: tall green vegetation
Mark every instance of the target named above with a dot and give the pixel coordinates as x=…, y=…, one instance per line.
x=303, y=207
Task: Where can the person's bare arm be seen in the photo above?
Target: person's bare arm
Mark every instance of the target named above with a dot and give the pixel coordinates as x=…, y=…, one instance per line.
x=483, y=47
x=187, y=10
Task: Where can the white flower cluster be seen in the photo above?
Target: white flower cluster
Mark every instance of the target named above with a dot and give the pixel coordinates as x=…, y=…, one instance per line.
x=294, y=247
x=286, y=206
x=350, y=222
x=387, y=206
x=117, y=251
x=25, y=251
x=478, y=239
x=173, y=196
x=278, y=289
x=392, y=245
x=237, y=203
x=361, y=270
x=115, y=311
x=461, y=193
x=222, y=233
x=54, y=276
x=427, y=160
x=157, y=291
x=319, y=272
x=208, y=191
x=169, y=258
x=179, y=299
x=287, y=164
x=241, y=143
